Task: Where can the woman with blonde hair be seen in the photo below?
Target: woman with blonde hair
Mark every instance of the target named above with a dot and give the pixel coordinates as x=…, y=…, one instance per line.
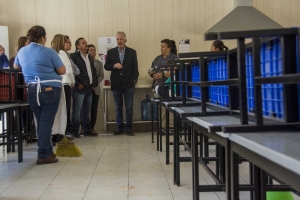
x=58, y=44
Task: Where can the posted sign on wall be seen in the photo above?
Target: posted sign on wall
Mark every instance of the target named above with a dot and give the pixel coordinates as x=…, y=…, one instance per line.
x=105, y=44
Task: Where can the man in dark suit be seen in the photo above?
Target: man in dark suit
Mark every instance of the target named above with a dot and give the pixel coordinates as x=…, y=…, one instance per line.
x=85, y=83
x=122, y=62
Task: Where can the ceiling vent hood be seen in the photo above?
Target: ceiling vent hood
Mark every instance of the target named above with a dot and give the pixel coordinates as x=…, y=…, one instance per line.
x=242, y=18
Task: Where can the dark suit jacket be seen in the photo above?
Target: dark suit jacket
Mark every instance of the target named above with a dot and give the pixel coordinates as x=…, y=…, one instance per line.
x=83, y=77
x=128, y=75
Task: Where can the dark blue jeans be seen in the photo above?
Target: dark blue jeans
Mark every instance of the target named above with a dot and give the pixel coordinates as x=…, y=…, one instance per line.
x=128, y=94
x=94, y=110
x=82, y=99
x=45, y=115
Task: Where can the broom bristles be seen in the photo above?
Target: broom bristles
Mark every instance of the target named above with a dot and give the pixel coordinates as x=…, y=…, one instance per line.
x=67, y=148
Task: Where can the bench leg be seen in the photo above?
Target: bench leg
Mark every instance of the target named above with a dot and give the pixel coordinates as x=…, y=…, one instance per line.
x=167, y=139
x=195, y=165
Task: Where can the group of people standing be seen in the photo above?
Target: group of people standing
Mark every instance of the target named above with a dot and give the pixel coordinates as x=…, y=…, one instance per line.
x=53, y=75
x=54, y=78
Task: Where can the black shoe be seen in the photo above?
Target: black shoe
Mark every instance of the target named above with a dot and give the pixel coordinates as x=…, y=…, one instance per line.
x=90, y=133
x=129, y=133
x=119, y=133
x=76, y=135
x=93, y=133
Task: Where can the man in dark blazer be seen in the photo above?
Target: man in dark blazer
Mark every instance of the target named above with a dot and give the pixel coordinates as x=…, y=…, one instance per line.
x=85, y=83
x=122, y=62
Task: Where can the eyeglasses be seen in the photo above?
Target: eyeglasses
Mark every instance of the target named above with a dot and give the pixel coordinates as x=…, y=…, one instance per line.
x=69, y=42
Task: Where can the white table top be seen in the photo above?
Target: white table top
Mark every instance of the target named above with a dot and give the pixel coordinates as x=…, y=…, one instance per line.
x=220, y=120
x=187, y=109
x=280, y=147
x=170, y=103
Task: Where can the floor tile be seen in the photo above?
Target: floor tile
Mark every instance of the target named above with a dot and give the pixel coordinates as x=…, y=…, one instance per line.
x=181, y=190
x=103, y=192
x=109, y=180
x=73, y=183
x=151, y=197
x=33, y=182
x=183, y=197
x=63, y=193
x=139, y=190
x=107, y=198
x=20, y=193
x=18, y=197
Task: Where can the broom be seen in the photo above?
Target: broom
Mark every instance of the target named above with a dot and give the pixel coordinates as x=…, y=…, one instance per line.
x=67, y=148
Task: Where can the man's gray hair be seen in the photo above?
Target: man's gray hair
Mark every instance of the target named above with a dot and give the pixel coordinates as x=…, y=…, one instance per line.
x=121, y=32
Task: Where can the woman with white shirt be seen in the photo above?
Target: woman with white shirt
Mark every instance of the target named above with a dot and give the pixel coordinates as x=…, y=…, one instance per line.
x=58, y=44
x=76, y=72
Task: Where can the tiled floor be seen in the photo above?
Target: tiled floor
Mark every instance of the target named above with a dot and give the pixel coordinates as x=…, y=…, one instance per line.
x=111, y=168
